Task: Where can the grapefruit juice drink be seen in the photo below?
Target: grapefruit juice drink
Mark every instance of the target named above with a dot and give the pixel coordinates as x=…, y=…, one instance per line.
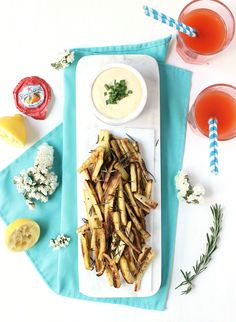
x=217, y=101
x=214, y=24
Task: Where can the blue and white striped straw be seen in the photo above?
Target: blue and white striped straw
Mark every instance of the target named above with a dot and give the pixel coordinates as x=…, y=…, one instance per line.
x=213, y=140
x=169, y=21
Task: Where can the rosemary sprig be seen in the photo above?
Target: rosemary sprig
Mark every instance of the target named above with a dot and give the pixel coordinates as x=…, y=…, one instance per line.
x=205, y=258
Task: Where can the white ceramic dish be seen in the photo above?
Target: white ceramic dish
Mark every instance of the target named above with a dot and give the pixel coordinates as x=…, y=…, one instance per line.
x=138, y=110
x=146, y=129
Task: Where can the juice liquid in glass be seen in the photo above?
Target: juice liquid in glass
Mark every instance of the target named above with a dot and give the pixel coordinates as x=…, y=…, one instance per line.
x=211, y=31
x=215, y=27
x=217, y=101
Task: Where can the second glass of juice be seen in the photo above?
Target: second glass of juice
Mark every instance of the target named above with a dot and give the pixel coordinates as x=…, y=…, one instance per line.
x=216, y=101
x=215, y=27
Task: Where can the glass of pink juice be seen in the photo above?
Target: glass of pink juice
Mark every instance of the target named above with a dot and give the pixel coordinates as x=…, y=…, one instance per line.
x=215, y=27
x=218, y=101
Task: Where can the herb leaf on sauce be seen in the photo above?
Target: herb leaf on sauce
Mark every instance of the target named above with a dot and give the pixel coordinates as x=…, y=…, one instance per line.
x=116, y=91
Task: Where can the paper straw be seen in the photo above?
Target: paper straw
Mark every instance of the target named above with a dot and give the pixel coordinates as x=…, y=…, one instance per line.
x=170, y=21
x=213, y=140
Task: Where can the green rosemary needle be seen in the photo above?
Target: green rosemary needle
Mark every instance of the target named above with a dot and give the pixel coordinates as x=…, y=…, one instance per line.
x=205, y=258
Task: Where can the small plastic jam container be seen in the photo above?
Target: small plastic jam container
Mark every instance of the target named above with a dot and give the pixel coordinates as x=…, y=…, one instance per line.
x=32, y=96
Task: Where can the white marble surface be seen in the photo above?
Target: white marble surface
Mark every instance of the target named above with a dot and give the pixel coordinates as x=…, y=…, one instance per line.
x=31, y=32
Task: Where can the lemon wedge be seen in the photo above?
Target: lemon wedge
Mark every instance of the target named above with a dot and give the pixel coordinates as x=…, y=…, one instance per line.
x=22, y=234
x=12, y=130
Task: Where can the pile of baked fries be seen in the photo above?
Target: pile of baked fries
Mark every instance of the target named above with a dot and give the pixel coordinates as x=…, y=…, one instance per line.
x=117, y=194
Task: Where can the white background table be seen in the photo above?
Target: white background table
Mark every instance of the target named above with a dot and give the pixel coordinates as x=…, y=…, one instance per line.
x=31, y=33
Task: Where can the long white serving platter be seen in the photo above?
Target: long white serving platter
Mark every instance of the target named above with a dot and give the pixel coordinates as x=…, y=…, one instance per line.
x=146, y=130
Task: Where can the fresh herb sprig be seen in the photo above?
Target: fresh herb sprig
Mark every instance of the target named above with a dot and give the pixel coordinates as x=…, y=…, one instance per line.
x=205, y=258
x=117, y=91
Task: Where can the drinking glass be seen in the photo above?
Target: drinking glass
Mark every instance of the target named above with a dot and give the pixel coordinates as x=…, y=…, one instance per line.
x=215, y=26
x=216, y=101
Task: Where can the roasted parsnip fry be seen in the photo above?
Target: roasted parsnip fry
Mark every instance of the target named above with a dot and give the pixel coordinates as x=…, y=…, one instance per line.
x=110, y=263
x=93, y=219
x=143, y=268
x=142, y=257
x=143, y=207
x=122, y=171
x=109, y=276
x=98, y=165
x=144, y=168
x=121, y=205
x=139, y=178
x=124, y=145
x=103, y=139
x=120, y=147
x=108, y=175
x=138, y=240
x=83, y=229
x=94, y=198
x=145, y=201
x=86, y=174
x=132, y=200
x=124, y=267
x=98, y=249
x=136, y=146
x=116, y=149
x=133, y=177
x=102, y=242
x=121, y=234
x=131, y=259
x=118, y=251
x=136, y=223
x=112, y=186
x=85, y=247
x=92, y=159
x=148, y=189
x=99, y=191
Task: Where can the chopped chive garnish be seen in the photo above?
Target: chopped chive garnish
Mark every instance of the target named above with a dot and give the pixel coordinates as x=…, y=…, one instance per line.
x=117, y=91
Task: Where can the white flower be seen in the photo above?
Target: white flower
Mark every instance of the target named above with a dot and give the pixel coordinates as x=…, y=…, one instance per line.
x=37, y=182
x=181, y=180
x=199, y=190
x=186, y=191
x=71, y=57
x=63, y=59
x=61, y=241
x=45, y=156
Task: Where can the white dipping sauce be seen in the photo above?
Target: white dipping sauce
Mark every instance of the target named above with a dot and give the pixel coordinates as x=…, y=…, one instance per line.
x=126, y=105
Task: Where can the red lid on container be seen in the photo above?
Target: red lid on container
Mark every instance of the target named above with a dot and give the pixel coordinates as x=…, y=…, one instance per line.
x=32, y=96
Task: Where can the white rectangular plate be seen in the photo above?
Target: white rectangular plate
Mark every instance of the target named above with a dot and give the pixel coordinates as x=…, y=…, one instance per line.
x=145, y=130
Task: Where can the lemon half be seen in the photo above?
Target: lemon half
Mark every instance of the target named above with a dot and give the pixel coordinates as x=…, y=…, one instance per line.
x=22, y=234
x=12, y=130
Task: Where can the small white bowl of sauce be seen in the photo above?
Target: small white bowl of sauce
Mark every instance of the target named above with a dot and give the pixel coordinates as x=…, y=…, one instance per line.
x=118, y=93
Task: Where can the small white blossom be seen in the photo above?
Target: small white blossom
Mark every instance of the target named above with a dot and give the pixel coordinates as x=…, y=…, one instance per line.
x=199, y=190
x=61, y=241
x=186, y=191
x=45, y=156
x=64, y=59
x=37, y=183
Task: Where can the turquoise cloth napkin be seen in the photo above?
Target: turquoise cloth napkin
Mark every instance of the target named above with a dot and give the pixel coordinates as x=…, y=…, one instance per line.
x=60, y=268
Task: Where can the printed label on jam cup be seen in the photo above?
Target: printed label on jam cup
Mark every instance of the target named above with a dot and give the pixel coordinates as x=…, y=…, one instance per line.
x=32, y=96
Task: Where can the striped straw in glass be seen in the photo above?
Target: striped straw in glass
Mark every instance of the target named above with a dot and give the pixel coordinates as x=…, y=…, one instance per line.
x=213, y=145
x=169, y=21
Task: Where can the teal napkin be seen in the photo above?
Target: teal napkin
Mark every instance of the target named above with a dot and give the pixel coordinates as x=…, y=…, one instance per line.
x=60, y=268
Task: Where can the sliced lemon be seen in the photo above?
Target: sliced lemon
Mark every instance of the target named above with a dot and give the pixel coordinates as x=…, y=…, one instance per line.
x=22, y=234
x=12, y=130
